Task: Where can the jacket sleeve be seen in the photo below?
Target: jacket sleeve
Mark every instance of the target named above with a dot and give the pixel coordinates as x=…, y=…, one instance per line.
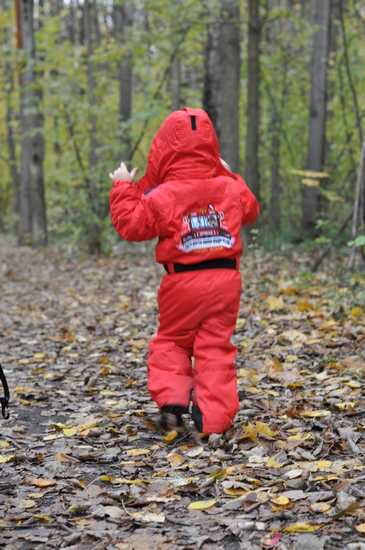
x=249, y=203
x=132, y=213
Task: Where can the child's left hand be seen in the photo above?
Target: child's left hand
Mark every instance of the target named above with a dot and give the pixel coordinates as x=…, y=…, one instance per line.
x=121, y=173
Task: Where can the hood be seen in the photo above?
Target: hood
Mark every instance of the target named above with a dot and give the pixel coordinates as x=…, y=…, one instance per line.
x=185, y=146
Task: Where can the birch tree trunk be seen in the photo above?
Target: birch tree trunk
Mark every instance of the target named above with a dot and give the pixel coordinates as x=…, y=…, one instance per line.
x=253, y=97
x=222, y=78
x=320, y=14
x=32, y=227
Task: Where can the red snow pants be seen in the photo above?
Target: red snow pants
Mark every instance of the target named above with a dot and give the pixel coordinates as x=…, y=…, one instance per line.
x=198, y=313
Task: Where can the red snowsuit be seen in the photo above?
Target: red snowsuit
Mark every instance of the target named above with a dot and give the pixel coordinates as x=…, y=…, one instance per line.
x=196, y=208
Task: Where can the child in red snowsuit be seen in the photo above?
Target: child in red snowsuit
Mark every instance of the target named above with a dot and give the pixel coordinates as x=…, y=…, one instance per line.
x=196, y=206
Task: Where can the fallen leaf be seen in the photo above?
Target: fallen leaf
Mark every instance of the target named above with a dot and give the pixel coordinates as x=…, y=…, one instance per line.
x=43, y=483
x=202, y=504
x=171, y=436
x=27, y=503
x=148, y=517
x=6, y=458
x=302, y=528
x=320, y=507
x=280, y=500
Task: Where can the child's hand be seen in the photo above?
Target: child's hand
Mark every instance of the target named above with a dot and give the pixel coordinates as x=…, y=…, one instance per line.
x=122, y=173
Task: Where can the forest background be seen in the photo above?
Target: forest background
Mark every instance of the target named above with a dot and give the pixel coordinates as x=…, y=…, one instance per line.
x=85, y=84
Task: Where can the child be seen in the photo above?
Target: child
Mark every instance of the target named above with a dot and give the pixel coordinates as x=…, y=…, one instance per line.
x=196, y=206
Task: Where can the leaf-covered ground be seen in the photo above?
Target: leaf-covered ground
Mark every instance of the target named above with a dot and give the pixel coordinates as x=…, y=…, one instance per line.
x=82, y=462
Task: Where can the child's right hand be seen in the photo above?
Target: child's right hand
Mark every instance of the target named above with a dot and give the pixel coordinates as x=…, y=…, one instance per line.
x=121, y=173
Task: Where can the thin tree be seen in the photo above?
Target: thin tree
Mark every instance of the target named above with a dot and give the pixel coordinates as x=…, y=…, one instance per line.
x=358, y=217
x=123, y=16
x=9, y=88
x=251, y=171
x=320, y=18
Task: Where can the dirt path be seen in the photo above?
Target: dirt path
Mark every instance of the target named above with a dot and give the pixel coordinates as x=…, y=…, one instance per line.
x=82, y=463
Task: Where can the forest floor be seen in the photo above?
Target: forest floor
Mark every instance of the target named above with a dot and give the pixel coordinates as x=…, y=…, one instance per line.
x=83, y=464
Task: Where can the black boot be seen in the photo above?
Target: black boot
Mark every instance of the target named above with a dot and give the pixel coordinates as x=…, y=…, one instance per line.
x=171, y=417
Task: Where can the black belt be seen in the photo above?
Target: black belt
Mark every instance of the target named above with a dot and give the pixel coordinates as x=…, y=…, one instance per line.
x=4, y=401
x=218, y=263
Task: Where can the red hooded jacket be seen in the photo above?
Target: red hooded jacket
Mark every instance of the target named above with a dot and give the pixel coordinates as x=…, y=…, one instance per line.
x=187, y=198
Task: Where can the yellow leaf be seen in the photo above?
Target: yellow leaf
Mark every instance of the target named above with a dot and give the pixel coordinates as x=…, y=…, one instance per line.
x=222, y=473
x=202, y=504
x=264, y=429
x=250, y=432
x=105, y=477
x=304, y=305
x=353, y=384
x=273, y=463
x=320, y=507
x=69, y=432
x=171, y=436
x=356, y=312
x=275, y=303
x=4, y=444
x=302, y=528
x=105, y=371
x=323, y=465
x=43, y=483
x=360, y=528
x=235, y=491
x=316, y=414
x=42, y=518
x=6, y=458
x=281, y=500
x=39, y=356
x=175, y=459
x=310, y=174
x=138, y=452
x=330, y=477
x=346, y=406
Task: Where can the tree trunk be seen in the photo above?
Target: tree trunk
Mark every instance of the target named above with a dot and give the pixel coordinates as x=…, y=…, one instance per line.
x=318, y=110
x=9, y=120
x=123, y=21
x=93, y=226
x=230, y=68
x=221, y=87
x=211, y=76
x=279, y=38
x=175, y=84
x=356, y=259
x=253, y=97
x=32, y=228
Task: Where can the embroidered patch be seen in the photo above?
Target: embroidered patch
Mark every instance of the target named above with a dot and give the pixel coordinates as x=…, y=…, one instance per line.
x=205, y=228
